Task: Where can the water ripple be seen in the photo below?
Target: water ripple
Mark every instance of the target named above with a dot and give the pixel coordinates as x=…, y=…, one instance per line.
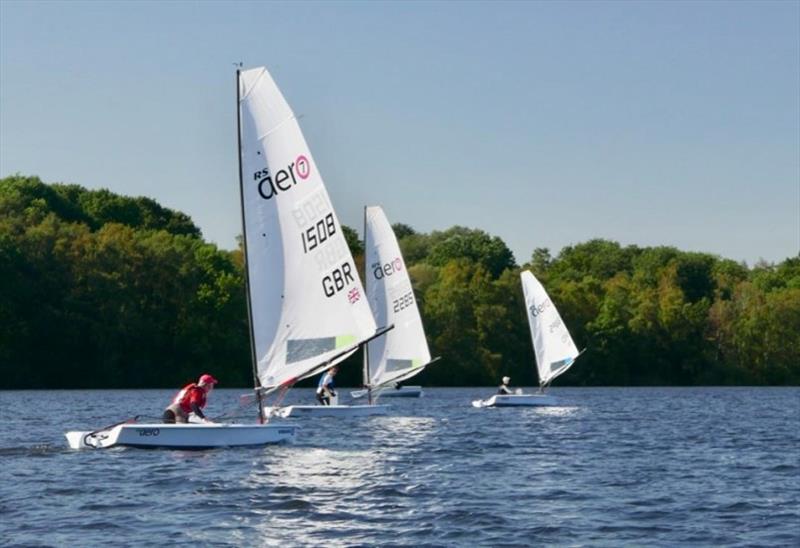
x=612, y=467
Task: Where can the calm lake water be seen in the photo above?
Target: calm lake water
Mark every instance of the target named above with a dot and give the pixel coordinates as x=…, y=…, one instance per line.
x=612, y=466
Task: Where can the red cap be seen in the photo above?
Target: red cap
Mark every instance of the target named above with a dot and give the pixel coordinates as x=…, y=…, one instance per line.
x=207, y=379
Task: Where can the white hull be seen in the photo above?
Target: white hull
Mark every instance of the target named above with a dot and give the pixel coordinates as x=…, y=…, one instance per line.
x=183, y=436
x=402, y=392
x=517, y=400
x=327, y=410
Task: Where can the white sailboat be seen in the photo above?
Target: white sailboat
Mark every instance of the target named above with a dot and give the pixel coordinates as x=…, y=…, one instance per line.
x=306, y=306
x=552, y=344
x=403, y=352
x=310, y=307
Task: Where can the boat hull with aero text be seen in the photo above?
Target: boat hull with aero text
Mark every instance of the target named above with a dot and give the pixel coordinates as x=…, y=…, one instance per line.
x=517, y=400
x=182, y=436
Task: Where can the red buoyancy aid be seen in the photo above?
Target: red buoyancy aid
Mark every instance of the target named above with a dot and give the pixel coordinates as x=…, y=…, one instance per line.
x=189, y=394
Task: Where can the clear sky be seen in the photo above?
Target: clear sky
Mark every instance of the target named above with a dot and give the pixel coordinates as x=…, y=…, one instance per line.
x=544, y=123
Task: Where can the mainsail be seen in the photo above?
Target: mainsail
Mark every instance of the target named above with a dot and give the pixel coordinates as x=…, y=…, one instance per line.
x=403, y=352
x=552, y=344
x=307, y=304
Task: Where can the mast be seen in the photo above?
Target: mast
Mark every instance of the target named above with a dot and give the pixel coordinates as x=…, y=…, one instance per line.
x=256, y=381
x=366, y=346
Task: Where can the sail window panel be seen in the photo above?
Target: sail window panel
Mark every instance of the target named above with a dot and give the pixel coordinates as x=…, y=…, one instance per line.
x=554, y=366
x=298, y=350
x=393, y=364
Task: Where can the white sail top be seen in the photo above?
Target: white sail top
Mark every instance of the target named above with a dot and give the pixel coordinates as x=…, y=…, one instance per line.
x=552, y=344
x=402, y=352
x=307, y=302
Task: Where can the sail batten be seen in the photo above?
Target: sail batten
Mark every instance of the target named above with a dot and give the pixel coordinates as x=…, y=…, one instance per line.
x=552, y=344
x=308, y=304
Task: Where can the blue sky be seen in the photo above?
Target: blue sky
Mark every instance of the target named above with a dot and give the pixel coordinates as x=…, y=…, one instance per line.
x=547, y=124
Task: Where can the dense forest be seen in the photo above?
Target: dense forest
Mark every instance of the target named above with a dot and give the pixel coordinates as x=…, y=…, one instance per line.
x=99, y=290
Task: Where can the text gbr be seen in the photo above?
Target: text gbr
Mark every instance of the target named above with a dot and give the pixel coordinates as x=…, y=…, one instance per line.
x=337, y=280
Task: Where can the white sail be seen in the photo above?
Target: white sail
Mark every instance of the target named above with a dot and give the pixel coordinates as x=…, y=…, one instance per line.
x=307, y=302
x=552, y=344
x=402, y=352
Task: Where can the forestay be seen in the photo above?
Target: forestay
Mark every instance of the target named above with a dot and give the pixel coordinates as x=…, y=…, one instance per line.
x=552, y=344
x=403, y=352
x=308, y=305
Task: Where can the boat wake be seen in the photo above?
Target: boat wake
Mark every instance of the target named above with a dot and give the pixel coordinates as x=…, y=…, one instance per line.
x=38, y=450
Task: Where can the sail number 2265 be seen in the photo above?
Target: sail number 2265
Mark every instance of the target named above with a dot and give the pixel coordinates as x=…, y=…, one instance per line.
x=318, y=233
x=404, y=301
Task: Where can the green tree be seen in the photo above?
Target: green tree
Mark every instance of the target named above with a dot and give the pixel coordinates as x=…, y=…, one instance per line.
x=353, y=241
x=101, y=290
x=474, y=245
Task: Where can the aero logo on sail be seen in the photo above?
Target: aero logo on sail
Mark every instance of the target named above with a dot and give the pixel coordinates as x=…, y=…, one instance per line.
x=303, y=167
x=284, y=179
x=536, y=310
x=380, y=271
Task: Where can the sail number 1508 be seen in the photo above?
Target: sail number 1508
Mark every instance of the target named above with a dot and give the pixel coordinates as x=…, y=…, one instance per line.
x=318, y=233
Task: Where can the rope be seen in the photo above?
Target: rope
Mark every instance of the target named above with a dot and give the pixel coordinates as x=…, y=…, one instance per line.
x=282, y=391
x=95, y=433
x=237, y=411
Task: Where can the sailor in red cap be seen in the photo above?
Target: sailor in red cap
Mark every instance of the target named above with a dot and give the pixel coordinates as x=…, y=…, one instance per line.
x=191, y=399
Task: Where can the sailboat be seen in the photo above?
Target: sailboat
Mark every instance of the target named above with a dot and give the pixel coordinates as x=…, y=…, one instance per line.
x=306, y=307
x=552, y=344
x=309, y=306
x=403, y=352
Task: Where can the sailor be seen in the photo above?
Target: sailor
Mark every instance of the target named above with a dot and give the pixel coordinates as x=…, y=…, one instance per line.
x=191, y=399
x=504, y=389
x=325, y=389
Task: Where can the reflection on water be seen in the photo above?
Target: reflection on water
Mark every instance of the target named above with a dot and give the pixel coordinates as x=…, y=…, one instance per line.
x=403, y=431
x=666, y=467
x=557, y=411
x=310, y=468
x=341, y=488
x=319, y=482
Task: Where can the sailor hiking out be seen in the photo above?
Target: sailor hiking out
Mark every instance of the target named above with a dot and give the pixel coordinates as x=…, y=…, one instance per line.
x=192, y=398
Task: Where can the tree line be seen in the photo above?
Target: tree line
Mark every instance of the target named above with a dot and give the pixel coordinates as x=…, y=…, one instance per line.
x=99, y=290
